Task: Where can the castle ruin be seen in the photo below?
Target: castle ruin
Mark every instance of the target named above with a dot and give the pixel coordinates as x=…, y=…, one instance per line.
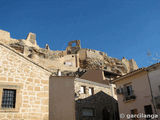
x=71, y=59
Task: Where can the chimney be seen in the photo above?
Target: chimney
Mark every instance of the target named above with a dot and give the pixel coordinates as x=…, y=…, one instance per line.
x=59, y=72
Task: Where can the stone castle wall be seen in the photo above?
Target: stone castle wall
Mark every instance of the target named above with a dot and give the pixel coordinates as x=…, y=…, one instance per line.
x=19, y=70
x=5, y=37
x=63, y=60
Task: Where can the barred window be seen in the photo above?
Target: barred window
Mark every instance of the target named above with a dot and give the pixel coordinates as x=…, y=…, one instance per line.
x=8, y=98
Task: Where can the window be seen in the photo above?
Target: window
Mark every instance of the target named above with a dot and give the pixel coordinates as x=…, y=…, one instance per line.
x=134, y=112
x=83, y=89
x=128, y=93
x=129, y=90
x=74, y=44
x=68, y=63
x=91, y=91
x=115, y=91
x=8, y=98
x=88, y=112
x=148, y=110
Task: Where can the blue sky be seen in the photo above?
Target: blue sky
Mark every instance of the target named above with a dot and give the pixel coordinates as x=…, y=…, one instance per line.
x=121, y=28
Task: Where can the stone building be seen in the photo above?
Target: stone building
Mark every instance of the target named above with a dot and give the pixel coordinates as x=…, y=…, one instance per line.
x=35, y=82
x=103, y=77
x=94, y=101
x=35, y=94
x=23, y=87
x=96, y=97
x=28, y=90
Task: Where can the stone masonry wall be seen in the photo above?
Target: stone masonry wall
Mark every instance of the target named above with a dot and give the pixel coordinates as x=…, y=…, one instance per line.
x=98, y=102
x=97, y=88
x=34, y=92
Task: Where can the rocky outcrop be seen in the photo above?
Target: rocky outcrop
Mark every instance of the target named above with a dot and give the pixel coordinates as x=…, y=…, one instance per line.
x=99, y=60
x=73, y=58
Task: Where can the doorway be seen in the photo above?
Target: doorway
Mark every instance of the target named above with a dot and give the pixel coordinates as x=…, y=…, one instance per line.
x=106, y=114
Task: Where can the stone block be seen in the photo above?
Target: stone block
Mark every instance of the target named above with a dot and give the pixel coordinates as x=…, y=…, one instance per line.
x=37, y=88
x=32, y=38
x=4, y=35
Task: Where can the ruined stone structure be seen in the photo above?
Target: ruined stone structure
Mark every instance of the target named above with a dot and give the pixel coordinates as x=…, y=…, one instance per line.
x=73, y=49
x=26, y=70
x=71, y=59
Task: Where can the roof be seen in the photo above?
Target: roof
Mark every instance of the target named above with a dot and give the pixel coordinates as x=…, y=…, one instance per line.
x=136, y=71
x=95, y=75
x=128, y=74
x=92, y=82
x=21, y=55
x=152, y=66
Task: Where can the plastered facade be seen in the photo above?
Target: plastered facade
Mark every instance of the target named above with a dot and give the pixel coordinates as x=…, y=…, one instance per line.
x=153, y=75
x=141, y=89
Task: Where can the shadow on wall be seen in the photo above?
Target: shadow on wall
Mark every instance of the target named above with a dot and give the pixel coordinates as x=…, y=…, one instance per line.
x=100, y=106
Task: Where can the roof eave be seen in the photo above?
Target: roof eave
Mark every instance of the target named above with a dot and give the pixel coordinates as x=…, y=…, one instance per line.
x=128, y=75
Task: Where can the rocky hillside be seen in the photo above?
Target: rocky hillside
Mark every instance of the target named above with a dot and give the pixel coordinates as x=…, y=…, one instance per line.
x=73, y=58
